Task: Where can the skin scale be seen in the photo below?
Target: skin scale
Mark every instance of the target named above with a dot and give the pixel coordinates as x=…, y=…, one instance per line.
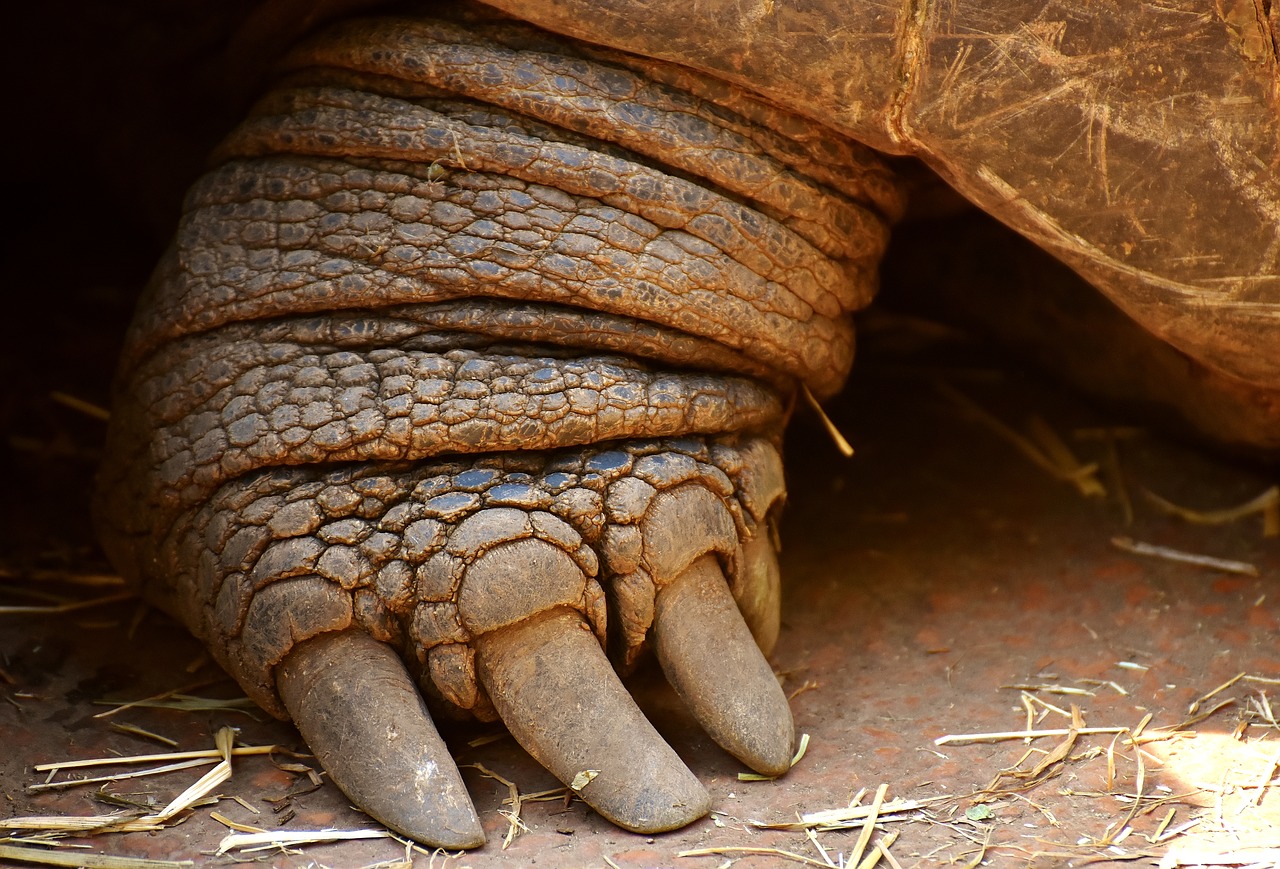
x=476, y=344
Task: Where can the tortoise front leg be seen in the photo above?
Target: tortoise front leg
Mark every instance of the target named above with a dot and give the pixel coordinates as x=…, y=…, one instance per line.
x=477, y=346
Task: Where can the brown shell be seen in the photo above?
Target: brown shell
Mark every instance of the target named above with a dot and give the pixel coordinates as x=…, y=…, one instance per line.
x=1139, y=143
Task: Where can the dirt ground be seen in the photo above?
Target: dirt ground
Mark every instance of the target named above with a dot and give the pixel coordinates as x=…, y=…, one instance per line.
x=937, y=583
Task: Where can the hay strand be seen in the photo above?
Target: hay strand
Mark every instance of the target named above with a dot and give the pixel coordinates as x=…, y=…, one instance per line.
x=742, y=849
x=87, y=861
x=842, y=444
x=1061, y=466
x=1267, y=504
x=243, y=751
x=283, y=838
x=1128, y=544
x=88, y=408
x=1005, y=735
x=868, y=826
x=67, y=606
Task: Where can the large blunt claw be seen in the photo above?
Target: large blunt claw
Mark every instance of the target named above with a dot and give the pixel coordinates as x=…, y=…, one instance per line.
x=561, y=699
x=357, y=708
x=713, y=662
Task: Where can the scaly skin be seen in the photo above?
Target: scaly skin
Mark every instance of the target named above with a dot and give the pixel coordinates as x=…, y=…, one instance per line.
x=477, y=346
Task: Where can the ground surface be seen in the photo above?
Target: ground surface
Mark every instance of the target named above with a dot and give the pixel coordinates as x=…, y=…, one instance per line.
x=923, y=577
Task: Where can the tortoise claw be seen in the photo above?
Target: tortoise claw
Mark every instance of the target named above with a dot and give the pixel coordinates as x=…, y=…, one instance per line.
x=559, y=696
x=357, y=708
x=759, y=593
x=712, y=660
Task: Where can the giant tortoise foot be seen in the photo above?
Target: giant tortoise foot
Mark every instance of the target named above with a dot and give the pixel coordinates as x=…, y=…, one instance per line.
x=478, y=585
x=465, y=375
x=462, y=383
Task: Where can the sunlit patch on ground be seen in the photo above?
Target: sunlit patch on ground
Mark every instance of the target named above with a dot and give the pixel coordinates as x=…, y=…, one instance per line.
x=1232, y=780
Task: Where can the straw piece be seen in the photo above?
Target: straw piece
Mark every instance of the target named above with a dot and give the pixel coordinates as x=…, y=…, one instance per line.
x=1176, y=831
x=88, y=861
x=161, y=696
x=88, y=408
x=1163, y=825
x=486, y=739
x=187, y=703
x=206, y=783
x=1267, y=504
x=891, y=860
x=514, y=824
x=1059, y=753
x=1001, y=736
x=1039, y=701
x=803, y=747
x=1057, y=451
x=878, y=850
x=843, y=445
x=1235, y=857
x=141, y=773
x=134, y=730
x=74, y=823
x=1108, y=683
x=1116, y=472
x=133, y=823
x=1139, y=788
x=817, y=846
x=1051, y=689
x=850, y=816
x=247, y=806
x=242, y=751
x=755, y=776
x=1128, y=544
x=1081, y=476
x=1031, y=711
x=235, y=825
x=283, y=838
x=868, y=826
x=773, y=852
x=69, y=606
x=1142, y=725
x=809, y=685
x=1176, y=729
x=1195, y=704
x=1264, y=780
x=47, y=575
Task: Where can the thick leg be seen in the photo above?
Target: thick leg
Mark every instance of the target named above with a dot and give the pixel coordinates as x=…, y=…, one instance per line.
x=477, y=346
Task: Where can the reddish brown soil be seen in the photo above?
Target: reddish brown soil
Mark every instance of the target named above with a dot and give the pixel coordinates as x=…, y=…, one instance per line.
x=923, y=577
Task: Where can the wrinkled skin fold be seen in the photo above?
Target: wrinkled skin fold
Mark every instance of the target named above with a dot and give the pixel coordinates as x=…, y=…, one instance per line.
x=461, y=388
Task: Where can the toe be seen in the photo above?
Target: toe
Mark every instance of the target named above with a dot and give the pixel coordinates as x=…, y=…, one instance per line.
x=358, y=709
x=712, y=660
x=561, y=699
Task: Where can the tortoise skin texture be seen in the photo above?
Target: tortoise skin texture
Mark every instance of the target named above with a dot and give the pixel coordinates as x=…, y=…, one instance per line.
x=471, y=356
